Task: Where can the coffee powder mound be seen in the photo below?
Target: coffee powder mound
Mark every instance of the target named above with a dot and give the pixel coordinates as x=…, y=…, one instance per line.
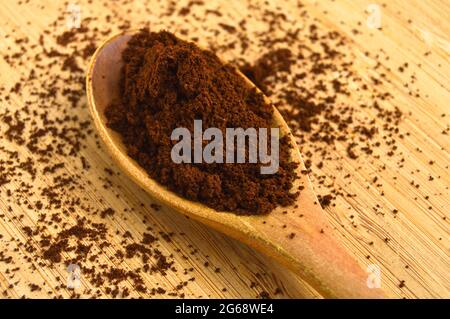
x=168, y=83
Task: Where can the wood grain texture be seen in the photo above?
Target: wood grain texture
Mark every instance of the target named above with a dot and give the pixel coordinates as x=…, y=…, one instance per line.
x=418, y=237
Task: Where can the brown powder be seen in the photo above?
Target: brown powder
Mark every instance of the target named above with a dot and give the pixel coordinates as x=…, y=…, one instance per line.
x=168, y=83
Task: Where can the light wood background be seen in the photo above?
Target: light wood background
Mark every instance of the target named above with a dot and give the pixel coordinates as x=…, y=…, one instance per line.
x=416, y=251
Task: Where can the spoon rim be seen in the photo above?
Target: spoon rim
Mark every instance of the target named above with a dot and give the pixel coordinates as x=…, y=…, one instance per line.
x=166, y=196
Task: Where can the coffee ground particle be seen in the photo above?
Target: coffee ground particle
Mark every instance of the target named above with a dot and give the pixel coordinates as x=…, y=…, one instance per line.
x=168, y=83
x=264, y=295
x=107, y=212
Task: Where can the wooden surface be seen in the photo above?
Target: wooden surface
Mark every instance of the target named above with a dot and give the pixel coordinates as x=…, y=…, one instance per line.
x=411, y=247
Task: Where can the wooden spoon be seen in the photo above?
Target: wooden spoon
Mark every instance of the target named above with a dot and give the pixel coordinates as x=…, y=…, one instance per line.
x=302, y=239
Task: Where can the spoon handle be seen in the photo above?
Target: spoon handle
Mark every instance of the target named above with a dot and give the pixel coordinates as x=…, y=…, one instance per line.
x=313, y=253
x=326, y=265
x=309, y=248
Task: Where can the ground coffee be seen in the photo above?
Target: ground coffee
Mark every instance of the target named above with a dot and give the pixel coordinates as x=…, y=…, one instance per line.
x=168, y=83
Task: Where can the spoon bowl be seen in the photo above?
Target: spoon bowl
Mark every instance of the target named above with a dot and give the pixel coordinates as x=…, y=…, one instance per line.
x=300, y=237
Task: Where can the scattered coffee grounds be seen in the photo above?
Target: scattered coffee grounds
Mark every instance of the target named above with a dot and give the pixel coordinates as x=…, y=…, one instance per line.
x=168, y=83
x=52, y=185
x=320, y=109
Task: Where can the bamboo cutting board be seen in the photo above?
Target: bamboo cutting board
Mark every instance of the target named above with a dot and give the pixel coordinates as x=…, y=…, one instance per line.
x=410, y=247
